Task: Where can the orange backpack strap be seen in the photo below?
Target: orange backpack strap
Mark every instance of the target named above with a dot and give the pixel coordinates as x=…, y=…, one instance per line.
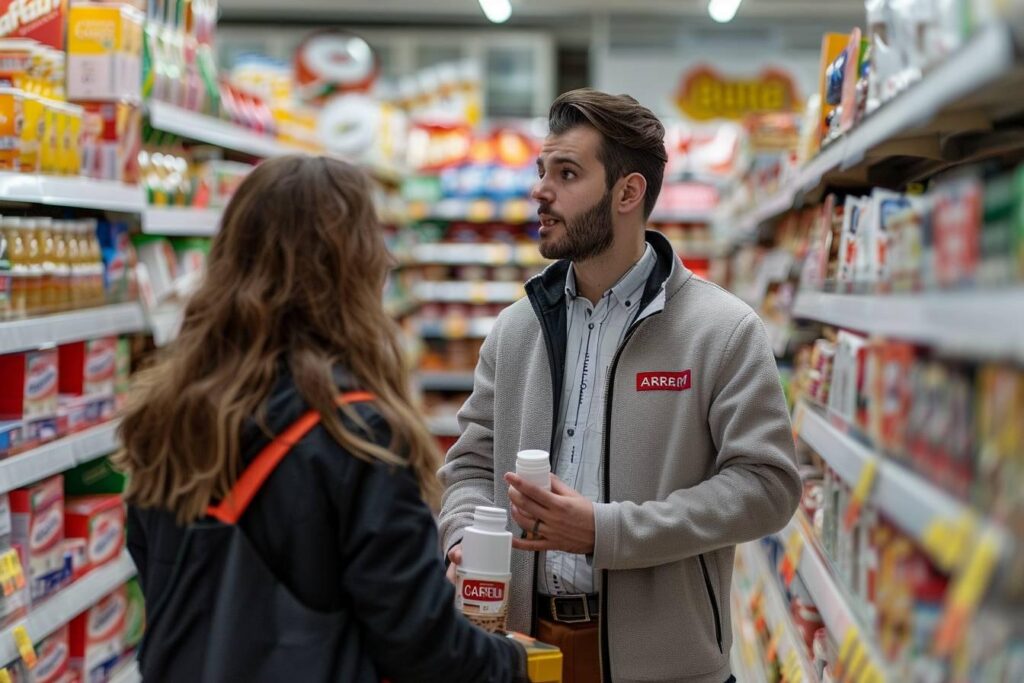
x=230, y=510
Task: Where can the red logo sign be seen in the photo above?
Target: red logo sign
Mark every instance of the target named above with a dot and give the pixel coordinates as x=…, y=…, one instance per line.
x=663, y=381
x=483, y=591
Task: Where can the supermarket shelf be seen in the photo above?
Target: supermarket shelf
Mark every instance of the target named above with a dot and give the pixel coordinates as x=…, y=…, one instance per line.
x=470, y=292
x=57, y=456
x=779, y=618
x=978, y=323
x=129, y=673
x=746, y=670
x=909, y=501
x=85, y=193
x=447, y=425
x=489, y=254
x=474, y=328
x=829, y=597
x=181, y=221
x=64, y=606
x=60, y=328
x=213, y=131
x=513, y=211
x=985, y=65
x=445, y=381
x=676, y=216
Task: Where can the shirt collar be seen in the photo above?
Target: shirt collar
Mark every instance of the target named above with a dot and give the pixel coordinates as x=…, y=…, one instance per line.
x=632, y=280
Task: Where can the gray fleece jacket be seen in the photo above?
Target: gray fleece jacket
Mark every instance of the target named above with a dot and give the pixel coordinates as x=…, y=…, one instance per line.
x=697, y=457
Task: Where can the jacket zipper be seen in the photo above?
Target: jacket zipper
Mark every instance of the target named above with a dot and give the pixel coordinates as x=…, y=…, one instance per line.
x=606, y=661
x=714, y=601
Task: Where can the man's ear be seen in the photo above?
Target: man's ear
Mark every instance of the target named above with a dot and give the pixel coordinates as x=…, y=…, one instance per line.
x=630, y=193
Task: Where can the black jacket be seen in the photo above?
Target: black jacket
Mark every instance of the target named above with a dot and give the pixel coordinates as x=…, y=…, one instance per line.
x=354, y=537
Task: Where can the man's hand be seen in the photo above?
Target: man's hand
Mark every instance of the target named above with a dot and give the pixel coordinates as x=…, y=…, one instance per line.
x=566, y=517
x=455, y=558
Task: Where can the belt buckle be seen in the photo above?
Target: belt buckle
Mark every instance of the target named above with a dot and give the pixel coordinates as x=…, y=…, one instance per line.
x=582, y=597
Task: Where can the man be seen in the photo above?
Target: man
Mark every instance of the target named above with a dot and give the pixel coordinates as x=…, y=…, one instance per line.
x=656, y=394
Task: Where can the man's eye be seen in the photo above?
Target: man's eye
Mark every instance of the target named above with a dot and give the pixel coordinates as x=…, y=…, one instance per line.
x=568, y=175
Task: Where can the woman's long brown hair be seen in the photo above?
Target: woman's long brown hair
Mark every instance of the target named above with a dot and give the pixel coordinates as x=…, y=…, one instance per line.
x=294, y=279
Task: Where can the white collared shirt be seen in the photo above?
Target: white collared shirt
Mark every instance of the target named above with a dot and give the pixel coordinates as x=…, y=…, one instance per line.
x=594, y=334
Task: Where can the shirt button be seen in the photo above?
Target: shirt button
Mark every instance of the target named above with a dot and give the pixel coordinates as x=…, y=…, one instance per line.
x=591, y=326
x=571, y=432
x=627, y=303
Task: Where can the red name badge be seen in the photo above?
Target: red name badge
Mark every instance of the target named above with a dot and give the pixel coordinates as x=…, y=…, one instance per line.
x=663, y=381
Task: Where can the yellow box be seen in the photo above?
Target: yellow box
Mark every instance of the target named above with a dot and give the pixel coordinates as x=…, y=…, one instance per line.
x=31, y=133
x=73, y=149
x=49, y=145
x=543, y=661
x=104, y=52
x=11, y=119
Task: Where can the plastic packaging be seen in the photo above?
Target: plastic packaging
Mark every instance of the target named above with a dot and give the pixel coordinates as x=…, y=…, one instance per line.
x=482, y=580
x=534, y=466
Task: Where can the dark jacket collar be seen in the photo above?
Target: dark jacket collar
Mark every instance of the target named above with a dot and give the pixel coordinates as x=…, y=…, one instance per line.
x=547, y=290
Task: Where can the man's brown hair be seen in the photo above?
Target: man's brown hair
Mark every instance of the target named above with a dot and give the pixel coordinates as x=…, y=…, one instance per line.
x=633, y=139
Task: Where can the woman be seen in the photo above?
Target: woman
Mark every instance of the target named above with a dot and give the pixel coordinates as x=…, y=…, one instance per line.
x=288, y=317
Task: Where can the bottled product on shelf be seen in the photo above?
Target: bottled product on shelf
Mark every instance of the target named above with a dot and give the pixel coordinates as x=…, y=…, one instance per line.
x=61, y=265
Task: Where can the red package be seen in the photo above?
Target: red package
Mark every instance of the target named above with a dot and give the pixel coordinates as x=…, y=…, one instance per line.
x=88, y=367
x=97, y=637
x=98, y=520
x=54, y=658
x=37, y=521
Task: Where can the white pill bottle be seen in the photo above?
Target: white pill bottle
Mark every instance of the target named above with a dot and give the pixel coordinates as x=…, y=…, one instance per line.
x=535, y=467
x=483, y=579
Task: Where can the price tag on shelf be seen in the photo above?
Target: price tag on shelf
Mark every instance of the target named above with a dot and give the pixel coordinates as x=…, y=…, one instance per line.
x=947, y=540
x=792, y=667
x=791, y=559
x=861, y=492
x=773, y=646
x=850, y=641
x=19, y=572
x=966, y=593
x=24, y=645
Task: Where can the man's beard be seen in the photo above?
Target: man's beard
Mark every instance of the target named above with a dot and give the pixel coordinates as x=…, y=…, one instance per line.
x=588, y=235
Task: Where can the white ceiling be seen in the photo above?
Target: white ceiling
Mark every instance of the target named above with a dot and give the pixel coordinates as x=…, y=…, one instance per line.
x=408, y=11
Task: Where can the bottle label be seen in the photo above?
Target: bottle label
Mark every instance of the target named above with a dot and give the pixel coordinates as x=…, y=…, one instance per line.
x=484, y=601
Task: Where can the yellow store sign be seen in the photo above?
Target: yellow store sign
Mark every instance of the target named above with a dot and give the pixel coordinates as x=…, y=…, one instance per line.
x=704, y=94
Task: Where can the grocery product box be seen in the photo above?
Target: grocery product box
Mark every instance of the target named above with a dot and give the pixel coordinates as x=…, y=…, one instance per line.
x=94, y=477
x=99, y=521
x=30, y=386
x=88, y=367
x=11, y=126
x=53, y=656
x=37, y=527
x=10, y=437
x=543, y=661
x=111, y=140
x=97, y=637
x=104, y=52
x=42, y=21
x=75, y=413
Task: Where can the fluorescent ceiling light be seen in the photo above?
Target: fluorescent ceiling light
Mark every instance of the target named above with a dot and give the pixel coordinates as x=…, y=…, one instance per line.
x=498, y=11
x=721, y=11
